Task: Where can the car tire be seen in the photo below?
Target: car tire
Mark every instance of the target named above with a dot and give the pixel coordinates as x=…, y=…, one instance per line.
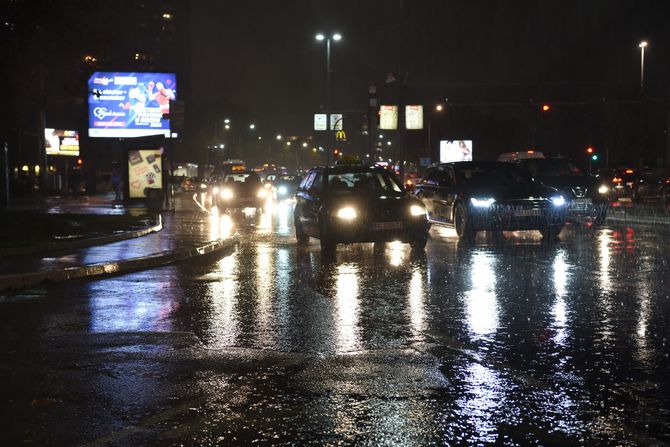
x=551, y=232
x=300, y=235
x=327, y=243
x=462, y=223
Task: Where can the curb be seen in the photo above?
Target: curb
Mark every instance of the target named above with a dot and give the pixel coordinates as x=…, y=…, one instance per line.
x=632, y=219
x=22, y=280
x=83, y=243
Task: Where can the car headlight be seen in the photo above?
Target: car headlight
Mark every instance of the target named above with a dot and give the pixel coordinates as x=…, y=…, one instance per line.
x=282, y=190
x=215, y=190
x=482, y=203
x=203, y=186
x=347, y=213
x=604, y=189
x=226, y=194
x=262, y=193
x=558, y=201
x=417, y=210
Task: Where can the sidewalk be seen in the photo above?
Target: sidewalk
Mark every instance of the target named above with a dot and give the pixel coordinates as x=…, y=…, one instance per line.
x=188, y=231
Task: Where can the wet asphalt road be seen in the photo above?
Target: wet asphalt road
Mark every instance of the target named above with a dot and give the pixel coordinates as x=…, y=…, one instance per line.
x=511, y=341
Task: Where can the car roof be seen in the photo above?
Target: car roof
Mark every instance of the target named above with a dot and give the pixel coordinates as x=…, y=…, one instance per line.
x=474, y=164
x=345, y=169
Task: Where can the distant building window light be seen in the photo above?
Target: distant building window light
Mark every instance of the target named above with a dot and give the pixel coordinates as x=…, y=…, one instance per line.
x=141, y=57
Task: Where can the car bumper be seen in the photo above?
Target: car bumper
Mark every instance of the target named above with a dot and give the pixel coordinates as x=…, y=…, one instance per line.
x=251, y=202
x=519, y=219
x=348, y=232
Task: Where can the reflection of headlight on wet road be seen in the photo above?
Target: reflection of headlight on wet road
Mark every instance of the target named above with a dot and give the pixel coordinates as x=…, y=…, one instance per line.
x=226, y=194
x=347, y=213
x=417, y=210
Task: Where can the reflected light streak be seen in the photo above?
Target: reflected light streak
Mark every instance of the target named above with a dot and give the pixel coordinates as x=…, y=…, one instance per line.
x=561, y=276
x=446, y=232
x=284, y=214
x=483, y=397
x=266, y=218
x=220, y=226
x=224, y=297
x=482, y=304
x=348, y=336
x=604, y=253
x=396, y=253
x=417, y=305
x=265, y=273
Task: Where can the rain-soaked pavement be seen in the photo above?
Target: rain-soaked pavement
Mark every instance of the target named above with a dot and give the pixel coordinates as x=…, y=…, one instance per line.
x=511, y=341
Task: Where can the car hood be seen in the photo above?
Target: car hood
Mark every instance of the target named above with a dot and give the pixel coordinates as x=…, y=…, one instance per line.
x=574, y=186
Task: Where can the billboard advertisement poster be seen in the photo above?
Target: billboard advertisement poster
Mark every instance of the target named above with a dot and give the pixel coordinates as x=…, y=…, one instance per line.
x=414, y=117
x=388, y=117
x=126, y=105
x=61, y=142
x=455, y=150
x=336, y=121
x=320, y=121
x=145, y=170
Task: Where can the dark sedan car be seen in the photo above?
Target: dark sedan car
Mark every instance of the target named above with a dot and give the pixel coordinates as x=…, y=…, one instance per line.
x=345, y=204
x=491, y=196
x=285, y=186
x=587, y=196
x=240, y=190
x=654, y=186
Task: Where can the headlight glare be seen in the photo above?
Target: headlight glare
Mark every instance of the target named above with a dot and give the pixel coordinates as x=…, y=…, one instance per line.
x=604, y=189
x=558, y=201
x=215, y=190
x=226, y=194
x=482, y=203
x=417, y=210
x=203, y=186
x=347, y=213
x=262, y=193
x=282, y=190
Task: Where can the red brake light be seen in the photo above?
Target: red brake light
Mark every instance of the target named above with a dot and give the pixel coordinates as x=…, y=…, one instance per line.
x=616, y=180
x=629, y=171
x=530, y=152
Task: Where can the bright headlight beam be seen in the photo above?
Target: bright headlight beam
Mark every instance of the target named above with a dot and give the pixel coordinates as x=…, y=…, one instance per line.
x=347, y=213
x=603, y=189
x=417, y=210
x=226, y=194
x=558, y=201
x=482, y=203
x=282, y=190
x=262, y=193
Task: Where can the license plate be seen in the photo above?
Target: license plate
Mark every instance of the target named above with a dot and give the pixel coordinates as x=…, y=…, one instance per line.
x=527, y=213
x=582, y=201
x=376, y=226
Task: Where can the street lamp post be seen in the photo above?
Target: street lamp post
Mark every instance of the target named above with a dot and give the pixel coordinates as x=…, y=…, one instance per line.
x=642, y=46
x=321, y=37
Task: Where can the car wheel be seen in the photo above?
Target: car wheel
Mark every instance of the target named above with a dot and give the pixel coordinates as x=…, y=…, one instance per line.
x=300, y=234
x=327, y=243
x=419, y=243
x=462, y=223
x=551, y=232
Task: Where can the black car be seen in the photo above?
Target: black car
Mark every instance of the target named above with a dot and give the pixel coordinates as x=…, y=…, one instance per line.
x=622, y=181
x=587, y=196
x=345, y=204
x=654, y=186
x=491, y=196
x=285, y=186
x=240, y=190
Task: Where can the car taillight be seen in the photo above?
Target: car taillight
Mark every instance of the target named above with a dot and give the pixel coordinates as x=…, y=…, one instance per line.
x=616, y=180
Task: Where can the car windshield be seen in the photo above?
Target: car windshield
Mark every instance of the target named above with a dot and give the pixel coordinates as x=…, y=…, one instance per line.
x=246, y=178
x=553, y=168
x=490, y=174
x=356, y=182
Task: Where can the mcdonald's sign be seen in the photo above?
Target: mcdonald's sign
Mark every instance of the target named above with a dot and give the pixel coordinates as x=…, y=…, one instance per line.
x=340, y=135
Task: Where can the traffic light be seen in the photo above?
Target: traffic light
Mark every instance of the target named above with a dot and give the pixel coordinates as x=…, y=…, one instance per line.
x=546, y=107
x=336, y=152
x=589, y=150
x=594, y=157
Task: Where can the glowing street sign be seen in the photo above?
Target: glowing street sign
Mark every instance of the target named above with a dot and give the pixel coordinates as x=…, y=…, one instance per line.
x=388, y=117
x=320, y=121
x=414, y=117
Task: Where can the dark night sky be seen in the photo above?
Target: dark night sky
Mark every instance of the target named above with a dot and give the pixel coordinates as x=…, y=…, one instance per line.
x=261, y=56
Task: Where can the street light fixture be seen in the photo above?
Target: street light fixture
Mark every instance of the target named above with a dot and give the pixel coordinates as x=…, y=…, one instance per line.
x=226, y=121
x=278, y=137
x=252, y=126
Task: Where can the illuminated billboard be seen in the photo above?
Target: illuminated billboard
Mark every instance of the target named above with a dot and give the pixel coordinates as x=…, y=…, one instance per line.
x=455, y=150
x=145, y=170
x=388, y=117
x=414, y=117
x=124, y=105
x=61, y=142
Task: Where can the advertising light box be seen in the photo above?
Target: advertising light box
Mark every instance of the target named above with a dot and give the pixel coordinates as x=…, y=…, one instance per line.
x=414, y=117
x=455, y=150
x=145, y=170
x=61, y=142
x=125, y=105
x=388, y=117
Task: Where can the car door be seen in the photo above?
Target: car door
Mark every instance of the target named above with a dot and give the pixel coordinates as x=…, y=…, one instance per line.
x=310, y=199
x=443, y=200
x=426, y=190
